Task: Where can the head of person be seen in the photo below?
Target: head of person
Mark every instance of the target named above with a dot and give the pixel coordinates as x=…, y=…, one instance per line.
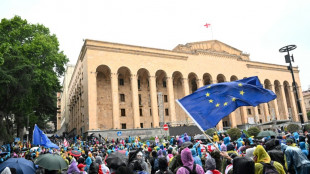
x=289, y=141
x=243, y=165
x=186, y=157
x=260, y=155
x=210, y=164
x=162, y=164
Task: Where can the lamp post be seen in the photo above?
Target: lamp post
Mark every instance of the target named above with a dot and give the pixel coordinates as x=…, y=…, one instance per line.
x=289, y=59
x=27, y=130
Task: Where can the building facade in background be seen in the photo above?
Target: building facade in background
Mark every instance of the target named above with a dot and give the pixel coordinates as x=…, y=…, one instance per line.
x=118, y=86
x=63, y=99
x=306, y=95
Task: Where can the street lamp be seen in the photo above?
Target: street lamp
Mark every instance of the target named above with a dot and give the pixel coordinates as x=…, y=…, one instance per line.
x=27, y=130
x=289, y=59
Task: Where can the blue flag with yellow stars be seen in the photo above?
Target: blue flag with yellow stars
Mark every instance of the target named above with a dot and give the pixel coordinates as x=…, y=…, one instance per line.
x=211, y=103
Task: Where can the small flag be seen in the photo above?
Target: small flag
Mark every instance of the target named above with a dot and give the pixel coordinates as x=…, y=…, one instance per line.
x=210, y=103
x=66, y=143
x=207, y=25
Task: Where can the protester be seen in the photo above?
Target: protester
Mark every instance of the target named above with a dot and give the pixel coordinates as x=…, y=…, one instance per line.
x=188, y=163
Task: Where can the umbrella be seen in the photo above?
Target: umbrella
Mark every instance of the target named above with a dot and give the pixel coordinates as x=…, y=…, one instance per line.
x=115, y=160
x=75, y=153
x=51, y=162
x=20, y=164
x=266, y=134
x=187, y=144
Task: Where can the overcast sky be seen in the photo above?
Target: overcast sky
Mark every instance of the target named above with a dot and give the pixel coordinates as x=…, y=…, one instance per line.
x=259, y=28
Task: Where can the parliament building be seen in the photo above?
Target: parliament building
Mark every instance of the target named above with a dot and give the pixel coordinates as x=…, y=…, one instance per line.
x=118, y=86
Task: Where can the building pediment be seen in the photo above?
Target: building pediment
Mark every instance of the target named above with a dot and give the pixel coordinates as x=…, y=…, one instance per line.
x=212, y=46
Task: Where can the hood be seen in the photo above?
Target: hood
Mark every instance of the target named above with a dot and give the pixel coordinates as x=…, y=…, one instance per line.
x=302, y=145
x=162, y=164
x=73, y=168
x=98, y=159
x=270, y=144
x=249, y=152
x=223, y=147
x=243, y=165
x=193, y=152
x=186, y=157
x=226, y=140
x=160, y=153
x=262, y=155
x=88, y=161
x=210, y=164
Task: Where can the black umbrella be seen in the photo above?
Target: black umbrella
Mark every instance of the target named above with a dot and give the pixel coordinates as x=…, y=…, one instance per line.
x=116, y=160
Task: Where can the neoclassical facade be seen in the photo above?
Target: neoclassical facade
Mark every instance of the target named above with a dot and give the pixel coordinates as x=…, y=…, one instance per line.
x=118, y=86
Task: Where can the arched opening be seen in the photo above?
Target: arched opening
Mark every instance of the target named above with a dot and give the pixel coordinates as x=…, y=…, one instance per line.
x=192, y=80
x=281, y=106
x=271, y=109
x=124, y=89
x=233, y=78
x=144, y=97
x=207, y=79
x=104, y=98
x=178, y=89
x=287, y=93
x=220, y=78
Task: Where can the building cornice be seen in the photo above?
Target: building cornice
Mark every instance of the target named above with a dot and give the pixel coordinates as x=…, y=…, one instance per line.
x=265, y=66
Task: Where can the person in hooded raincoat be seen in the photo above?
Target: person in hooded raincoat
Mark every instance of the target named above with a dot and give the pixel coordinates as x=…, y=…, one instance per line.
x=197, y=160
x=163, y=167
x=216, y=137
x=211, y=167
x=260, y=155
x=296, y=159
x=302, y=146
x=188, y=161
x=243, y=165
x=102, y=167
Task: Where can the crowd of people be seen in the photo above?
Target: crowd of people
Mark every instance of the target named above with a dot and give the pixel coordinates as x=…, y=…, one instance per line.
x=181, y=155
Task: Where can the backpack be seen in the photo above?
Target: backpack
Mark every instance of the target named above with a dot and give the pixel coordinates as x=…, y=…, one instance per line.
x=191, y=171
x=156, y=165
x=268, y=168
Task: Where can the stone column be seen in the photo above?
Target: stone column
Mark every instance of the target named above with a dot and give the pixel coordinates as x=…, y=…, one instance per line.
x=256, y=115
x=275, y=104
x=115, y=100
x=200, y=83
x=154, y=104
x=135, y=101
x=244, y=114
x=171, y=99
x=232, y=117
x=186, y=86
x=284, y=104
x=92, y=100
x=293, y=104
x=302, y=104
x=266, y=112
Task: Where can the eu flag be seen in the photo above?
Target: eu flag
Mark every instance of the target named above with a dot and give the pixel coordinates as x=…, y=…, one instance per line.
x=39, y=138
x=210, y=103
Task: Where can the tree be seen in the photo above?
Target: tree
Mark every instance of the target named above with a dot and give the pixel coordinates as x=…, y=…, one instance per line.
x=234, y=133
x=307, y=127
x=253, y=131
x=308, y=115
x=211, y=131
x=293, y=128
x=29, y=74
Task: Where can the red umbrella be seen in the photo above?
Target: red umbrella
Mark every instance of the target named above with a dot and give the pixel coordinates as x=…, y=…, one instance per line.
x=75, y=153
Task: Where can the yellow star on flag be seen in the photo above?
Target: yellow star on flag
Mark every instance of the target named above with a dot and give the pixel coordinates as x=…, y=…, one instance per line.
x=242, y=92
x=209, y=86
x=210, y=101
x=207, y=94
x=217, y=105
x=225, y=104
x=240, y=84
x=233, y=99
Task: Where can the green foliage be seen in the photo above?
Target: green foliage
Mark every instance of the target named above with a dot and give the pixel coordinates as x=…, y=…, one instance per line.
x=308, y=115
x=152, y=138
x=210, y=132
x=293, y=128
x=29, y=73
x=307, y=127
x=253, y=131
x=234, y=133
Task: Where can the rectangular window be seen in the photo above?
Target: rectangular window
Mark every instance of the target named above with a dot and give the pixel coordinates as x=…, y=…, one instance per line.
x=123, y=112
x=164, y=84
x=141, y=125
x=123, y=125
x=121, y=82
x=140, y=100
x=167, y=112
x=249, y=112
x=260, y=120
x=166, y=98
x=259, y=111
x=150, y=112
x=122, y=97
x=151, y=125
x=140, y=110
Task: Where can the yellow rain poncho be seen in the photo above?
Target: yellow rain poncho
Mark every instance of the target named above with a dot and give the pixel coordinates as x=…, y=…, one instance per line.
x=262, y=156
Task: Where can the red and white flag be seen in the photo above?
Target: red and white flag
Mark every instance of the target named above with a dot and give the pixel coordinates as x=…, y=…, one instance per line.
x=207, y=25
x=66, y=143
